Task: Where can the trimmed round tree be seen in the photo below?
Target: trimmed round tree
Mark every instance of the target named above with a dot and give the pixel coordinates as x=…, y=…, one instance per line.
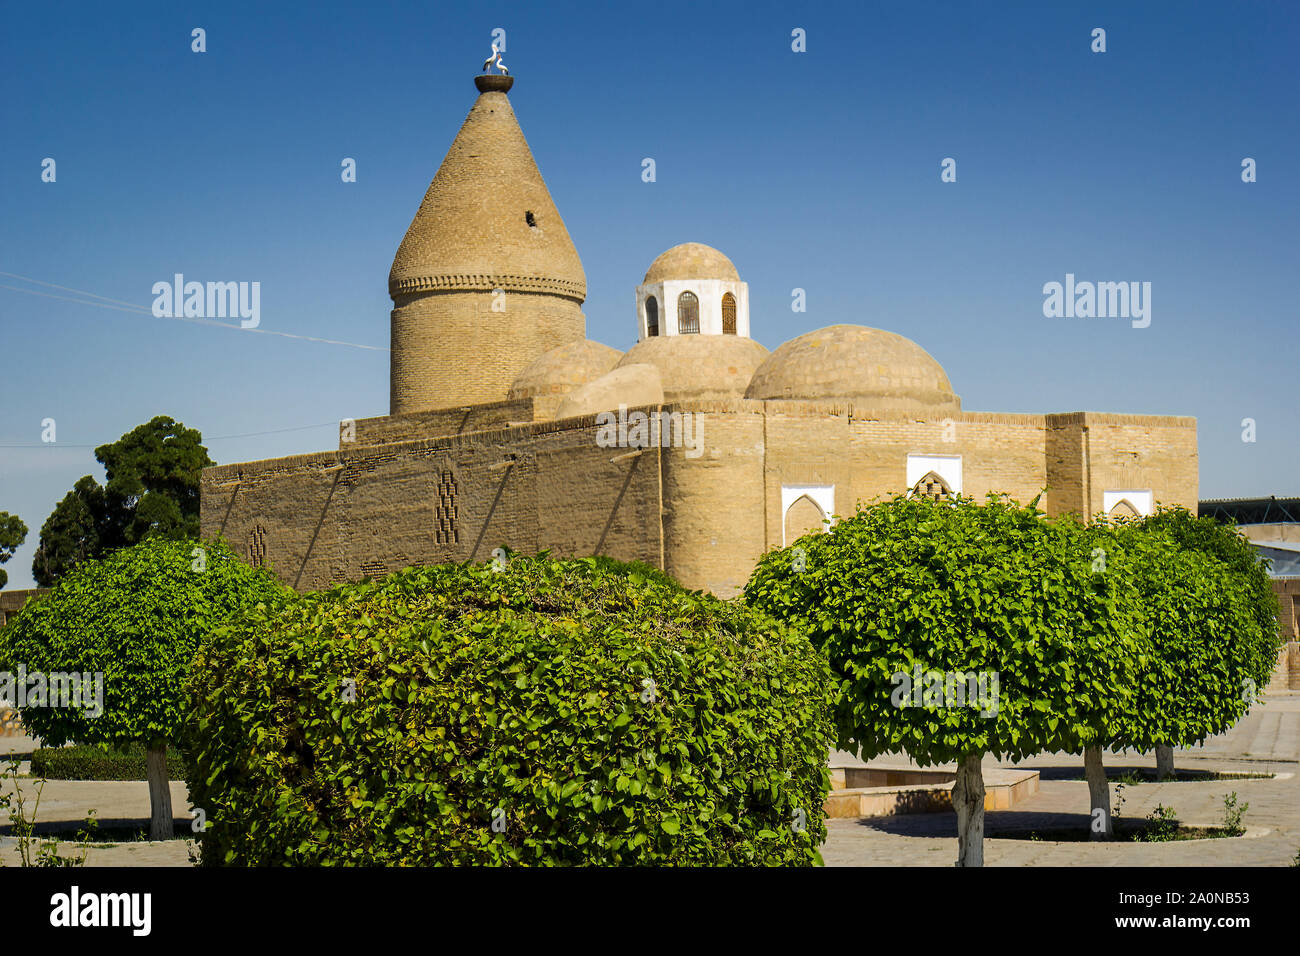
x=1249, y=648
x=1124, y=556
x=956, y=630
x=1213, y=630
x=110, y=646
x=526, y=712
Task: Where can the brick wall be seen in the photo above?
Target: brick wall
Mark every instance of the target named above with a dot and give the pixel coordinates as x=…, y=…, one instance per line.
x=1287, y=591
x=367, y=510
x=446, y=421
x=713, y=504
x=999, y=453
x=11, y=602
x=373, y=508
x=1138, y=451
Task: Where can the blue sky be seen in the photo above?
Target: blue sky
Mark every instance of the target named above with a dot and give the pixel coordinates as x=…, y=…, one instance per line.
x=818, y=171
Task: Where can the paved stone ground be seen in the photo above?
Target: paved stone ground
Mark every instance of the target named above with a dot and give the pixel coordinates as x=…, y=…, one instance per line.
x=118, y=803
x=1267, y=740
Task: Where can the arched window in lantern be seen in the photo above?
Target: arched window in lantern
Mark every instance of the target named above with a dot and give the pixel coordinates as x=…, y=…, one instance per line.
x=728, y=314
x=688, y=314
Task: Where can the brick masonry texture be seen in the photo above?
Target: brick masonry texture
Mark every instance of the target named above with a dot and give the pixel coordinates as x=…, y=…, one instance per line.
x=444, y=421
x=1288, y=599
x=472, y=231
x=373, y=508
x=368, y=510
x=451, y=348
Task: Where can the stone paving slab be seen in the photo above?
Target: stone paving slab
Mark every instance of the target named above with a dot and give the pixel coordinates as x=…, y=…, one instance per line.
x=1267, y=740
x=141, y=853
x=118, y=803
x=17, y=744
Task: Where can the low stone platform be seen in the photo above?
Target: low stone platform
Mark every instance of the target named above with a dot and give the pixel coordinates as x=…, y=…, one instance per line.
x=1267, y=740
x=877, y=790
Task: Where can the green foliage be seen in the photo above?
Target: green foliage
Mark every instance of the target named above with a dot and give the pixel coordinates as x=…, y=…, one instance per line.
x=154, y=469
x=1233, y=814
x=152, y=490
x=595, y=712
x=12, y=534
x=1161, y=826
x=1250, y=581
x=83, y=762
x=80, y=527
x=1209, y=648
x=958, y=587
x=136, y=617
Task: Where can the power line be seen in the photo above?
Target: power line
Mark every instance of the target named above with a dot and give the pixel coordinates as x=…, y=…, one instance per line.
x=118, y=305
x=65, y=288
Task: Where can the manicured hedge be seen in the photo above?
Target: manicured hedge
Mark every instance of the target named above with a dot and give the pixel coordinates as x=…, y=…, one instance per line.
x=95, y=763
x=554, y=712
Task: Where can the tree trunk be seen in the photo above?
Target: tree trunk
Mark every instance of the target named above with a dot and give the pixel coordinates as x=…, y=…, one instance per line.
x=968, y=801
x=1164, y=762
x=1099, y=826
x=160, y=793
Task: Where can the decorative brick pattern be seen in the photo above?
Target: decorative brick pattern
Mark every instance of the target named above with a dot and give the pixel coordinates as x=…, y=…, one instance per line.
x=256, y=550
x=1123, y=509
x=445, y=516
x=932, y=486
x=451, y=349
x=373, y=569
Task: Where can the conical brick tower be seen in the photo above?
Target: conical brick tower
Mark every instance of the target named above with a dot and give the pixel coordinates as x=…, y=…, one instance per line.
x=487, y=278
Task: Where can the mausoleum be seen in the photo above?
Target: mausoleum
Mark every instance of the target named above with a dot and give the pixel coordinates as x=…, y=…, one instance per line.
x=497, y=432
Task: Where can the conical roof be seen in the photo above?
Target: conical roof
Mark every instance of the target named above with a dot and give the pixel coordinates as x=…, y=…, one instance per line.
x=487, y=221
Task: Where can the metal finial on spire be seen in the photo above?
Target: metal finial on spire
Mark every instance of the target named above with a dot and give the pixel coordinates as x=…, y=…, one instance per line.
x=489, y=82
x=495, y=60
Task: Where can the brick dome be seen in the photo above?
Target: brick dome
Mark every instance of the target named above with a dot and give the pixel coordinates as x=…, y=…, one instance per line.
x=487, y=220
x=691, y=260
x=868, y=368
x=563, y=369
x=630, y=385
x=699, y=366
